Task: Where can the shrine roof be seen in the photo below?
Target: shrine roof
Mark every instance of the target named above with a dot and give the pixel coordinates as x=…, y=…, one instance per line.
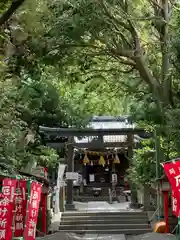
x=111, y=119
x=7, y=171
x=38, y=178
x=112, y=130
x=109, y=122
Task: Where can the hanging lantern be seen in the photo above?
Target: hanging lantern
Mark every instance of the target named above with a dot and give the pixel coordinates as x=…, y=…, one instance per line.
x=101, y=161
x=91, y=163
x=116, y=159
x=86, y=159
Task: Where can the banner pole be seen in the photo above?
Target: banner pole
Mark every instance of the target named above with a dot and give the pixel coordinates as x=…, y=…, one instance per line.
x=28, y=184
x=157, y=148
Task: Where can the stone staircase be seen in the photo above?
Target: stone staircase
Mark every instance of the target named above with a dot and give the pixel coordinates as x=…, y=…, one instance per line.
x=126, y=222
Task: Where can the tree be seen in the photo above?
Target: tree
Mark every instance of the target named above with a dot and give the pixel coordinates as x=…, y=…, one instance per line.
x=143, y=170
x=115, y=31
x=38, y=94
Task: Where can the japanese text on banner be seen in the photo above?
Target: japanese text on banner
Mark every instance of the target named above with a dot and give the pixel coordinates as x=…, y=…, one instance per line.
x=6, y=208
x=174, y=204
x=20, y=212
x=172, y=171
x=33, y=208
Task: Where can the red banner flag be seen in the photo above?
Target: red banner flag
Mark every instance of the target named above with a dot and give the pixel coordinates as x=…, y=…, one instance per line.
x=20, y=214
x=33, y=208
x=6, y=208
x=172, y=171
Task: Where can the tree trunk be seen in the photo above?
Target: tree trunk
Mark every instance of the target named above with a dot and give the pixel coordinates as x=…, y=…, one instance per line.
x=164, y=41
x=11, y=10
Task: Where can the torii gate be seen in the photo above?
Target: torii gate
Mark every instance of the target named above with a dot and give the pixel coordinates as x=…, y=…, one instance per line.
x=70, y=133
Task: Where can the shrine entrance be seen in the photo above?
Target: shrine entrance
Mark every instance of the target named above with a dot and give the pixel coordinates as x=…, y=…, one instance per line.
x=98, y=138
x=97, y=172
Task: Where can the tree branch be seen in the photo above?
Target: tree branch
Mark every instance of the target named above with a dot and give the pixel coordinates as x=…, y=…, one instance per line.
x=122, y=52
x=83, y=45
x=111, y=70
x=146, y=74
x=10, y=11
x=111, y=17
x=154, y=3
x=145, y=18
x=126, y=62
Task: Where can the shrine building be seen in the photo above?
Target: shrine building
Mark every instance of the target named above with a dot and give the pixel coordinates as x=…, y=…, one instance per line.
x=98, y=152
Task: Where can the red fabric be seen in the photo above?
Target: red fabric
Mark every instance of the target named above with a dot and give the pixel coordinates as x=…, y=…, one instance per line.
x=33, y=208
x=172, y=171
x=6, y=208
x=20, y=209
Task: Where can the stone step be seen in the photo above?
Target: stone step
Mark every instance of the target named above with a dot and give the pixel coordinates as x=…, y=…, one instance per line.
x=122, y=214
x=103, y=226
x=69, y=221
x=105, y=222
x=127, y=231
x=105, y=217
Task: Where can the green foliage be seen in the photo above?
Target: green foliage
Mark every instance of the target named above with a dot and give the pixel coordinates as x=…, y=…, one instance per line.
x=11, y=126
x=35, y=90
x=18, y=144
x=143, y=170
x=91, y=99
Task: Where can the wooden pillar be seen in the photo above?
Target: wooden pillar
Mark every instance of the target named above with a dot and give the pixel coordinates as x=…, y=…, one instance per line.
x=70, y=168
x=113, y=182
x=158, y=157
x=61, y=200
x=101, y=139
x=130, y=140
x=44, y=209
x=81, y=189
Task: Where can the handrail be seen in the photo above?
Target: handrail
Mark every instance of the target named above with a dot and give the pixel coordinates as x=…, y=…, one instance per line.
x=151, y=218
x=60, y=183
